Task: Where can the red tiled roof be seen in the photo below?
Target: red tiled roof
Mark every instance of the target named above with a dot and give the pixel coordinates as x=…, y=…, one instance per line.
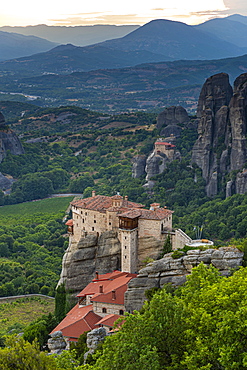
x=69, y=222
x=165, y=143
x=77, y=321
x=107, y=297
x=157, y=214
x=116, y=281
x=108, y=320
x=102, y=203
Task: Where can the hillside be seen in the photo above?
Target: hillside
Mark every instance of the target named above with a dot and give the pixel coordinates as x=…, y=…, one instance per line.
x=175, y=40
x=14, y=45
x=147, y=87
x=228, y=29
x=16, y=315
x=76, y=35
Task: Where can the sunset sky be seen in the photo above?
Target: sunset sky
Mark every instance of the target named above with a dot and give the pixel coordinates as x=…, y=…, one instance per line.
x=77, y=12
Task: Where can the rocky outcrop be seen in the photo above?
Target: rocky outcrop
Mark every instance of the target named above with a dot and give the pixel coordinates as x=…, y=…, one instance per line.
x=171, y=130
x=213, y=130
x=92, y=253
x=8, y=141
x=94, y=337
x=156, y=164
x=138, y=166
x=56, y=343
x=174, y=271
x=221, y=144
x=172, y=116
x=238, y=111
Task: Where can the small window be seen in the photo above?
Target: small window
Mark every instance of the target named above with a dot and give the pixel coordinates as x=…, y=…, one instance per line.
x=125, y=247
x=83, y=220
x=94, y=221
x=85, y=213
x=92, y=228
x=110, y=223
x=125, y=257
x=81, y=212
x=121, y=312
x=104, y=310
x=125, y=237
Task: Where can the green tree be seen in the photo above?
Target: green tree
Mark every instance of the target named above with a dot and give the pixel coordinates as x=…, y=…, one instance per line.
x=60, y=302
x=21, y=355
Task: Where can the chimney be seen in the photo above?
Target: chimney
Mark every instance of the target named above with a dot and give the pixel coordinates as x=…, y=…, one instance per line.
x=154, y=206
x=96, y=275
x=113, y=295
x=101, y=288
x=126, y=197
x=93, y=193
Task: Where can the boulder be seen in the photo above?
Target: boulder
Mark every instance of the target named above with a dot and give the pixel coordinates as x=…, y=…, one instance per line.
x=56, y=343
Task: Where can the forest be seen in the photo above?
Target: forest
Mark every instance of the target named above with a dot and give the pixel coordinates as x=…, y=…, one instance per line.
x=177, y=329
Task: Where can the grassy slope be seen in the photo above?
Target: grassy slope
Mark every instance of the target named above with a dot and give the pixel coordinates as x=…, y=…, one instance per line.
x=23, y=311
x=48, y=206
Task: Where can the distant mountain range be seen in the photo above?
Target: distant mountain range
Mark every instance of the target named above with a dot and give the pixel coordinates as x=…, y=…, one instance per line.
x=232, y=29
x=176, y=40
x=14, y=45
x=158, y=40
x=78, y=35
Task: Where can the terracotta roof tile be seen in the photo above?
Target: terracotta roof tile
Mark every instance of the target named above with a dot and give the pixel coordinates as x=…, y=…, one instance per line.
x=108, y=320
x=69, y=222
x=77, y=321
x=165, y=143
x=102, y=203
x=157, y=214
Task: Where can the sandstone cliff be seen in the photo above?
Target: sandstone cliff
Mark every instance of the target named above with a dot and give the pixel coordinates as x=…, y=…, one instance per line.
x=174, y=271
x=100, y=253
x=92, y=253
x=221, y=144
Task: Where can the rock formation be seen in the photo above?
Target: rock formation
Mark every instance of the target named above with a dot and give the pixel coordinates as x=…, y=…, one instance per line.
x=172, y=116
x=138, y=166
x=170, y=123
x=94, y=337
x=100, y=253
x=221, y=144
x=174, y=271
x=91, y=254
x=8, y=141
x=56, y=343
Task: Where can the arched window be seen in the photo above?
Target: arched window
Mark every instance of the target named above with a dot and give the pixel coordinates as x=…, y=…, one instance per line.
x=104, y=310
x=121, y=312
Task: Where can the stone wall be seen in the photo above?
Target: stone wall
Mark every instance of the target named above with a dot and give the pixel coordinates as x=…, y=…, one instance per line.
x=110, y=308
x=174, y=271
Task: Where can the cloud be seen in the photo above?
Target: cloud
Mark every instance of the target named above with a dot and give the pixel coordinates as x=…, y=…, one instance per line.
x=99, y=18
x=236, y=6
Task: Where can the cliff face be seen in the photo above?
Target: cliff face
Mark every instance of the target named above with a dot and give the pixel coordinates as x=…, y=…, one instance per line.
x=156, y=163
x=99, y=253
x=8, y=141
x=221, y=144
x=91, y=254
x=174, y=271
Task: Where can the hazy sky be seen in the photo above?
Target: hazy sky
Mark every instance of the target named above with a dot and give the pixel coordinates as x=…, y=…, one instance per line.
x=78, y=12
